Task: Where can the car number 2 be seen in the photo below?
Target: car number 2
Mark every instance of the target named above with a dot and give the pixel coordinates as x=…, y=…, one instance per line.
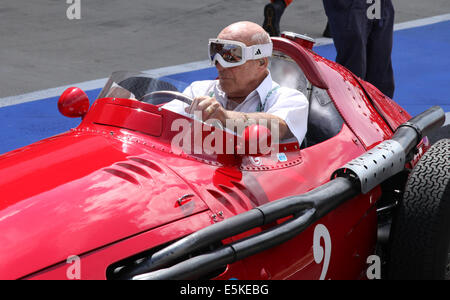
x=322, y=254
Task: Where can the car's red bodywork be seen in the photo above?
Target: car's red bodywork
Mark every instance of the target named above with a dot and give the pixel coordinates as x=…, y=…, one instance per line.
x=109, y=189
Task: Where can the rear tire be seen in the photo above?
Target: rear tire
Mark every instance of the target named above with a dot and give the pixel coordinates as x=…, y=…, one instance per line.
x=420, y=238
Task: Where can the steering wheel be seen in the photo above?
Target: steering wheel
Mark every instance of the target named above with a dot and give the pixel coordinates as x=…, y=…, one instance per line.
x=160, y=97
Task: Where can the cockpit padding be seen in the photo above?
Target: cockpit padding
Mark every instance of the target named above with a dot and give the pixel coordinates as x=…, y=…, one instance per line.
x=324, y=121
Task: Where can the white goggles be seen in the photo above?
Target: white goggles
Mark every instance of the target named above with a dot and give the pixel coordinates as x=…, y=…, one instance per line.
x=232, y=53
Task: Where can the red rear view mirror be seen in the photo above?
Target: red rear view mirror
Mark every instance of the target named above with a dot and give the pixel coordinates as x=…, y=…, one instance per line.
x=73, y=103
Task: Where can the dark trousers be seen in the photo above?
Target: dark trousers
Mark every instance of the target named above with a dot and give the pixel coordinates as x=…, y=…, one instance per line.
x=364, y=45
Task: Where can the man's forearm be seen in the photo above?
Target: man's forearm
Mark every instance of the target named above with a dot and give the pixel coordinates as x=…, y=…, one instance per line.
x=246, y=119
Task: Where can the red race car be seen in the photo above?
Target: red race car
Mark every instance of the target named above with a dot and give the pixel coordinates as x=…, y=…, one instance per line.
x=364, y=196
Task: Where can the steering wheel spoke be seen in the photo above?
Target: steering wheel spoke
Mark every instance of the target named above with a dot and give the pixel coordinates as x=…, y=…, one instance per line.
x=160, y=97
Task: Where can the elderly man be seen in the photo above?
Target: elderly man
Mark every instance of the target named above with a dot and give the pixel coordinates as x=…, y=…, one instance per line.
x=244, y=90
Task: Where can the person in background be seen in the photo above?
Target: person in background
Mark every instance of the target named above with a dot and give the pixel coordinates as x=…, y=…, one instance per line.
x=272, y=16
x=362, y=31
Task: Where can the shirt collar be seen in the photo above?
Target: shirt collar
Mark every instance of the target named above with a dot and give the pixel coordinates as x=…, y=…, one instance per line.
x=264, y=88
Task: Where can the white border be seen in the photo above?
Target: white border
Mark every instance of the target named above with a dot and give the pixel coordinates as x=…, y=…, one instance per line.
x=447, y=119
x=98, y=83
x=399, y=26
x=422, y=22
x=193, y=66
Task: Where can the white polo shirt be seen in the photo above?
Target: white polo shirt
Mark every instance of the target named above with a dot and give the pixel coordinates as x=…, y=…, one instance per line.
x=288, y=104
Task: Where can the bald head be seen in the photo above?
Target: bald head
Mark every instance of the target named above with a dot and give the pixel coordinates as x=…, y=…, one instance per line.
x=247, y=32
x=238, y=82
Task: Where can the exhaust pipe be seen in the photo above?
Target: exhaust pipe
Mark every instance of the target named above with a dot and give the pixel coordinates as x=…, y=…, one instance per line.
x=389, y=157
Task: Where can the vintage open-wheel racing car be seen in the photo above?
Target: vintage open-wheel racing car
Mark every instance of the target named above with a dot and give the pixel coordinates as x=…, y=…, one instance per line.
x=113, y=199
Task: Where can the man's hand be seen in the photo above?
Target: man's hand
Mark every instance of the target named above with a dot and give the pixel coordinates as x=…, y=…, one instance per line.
x=210, y=108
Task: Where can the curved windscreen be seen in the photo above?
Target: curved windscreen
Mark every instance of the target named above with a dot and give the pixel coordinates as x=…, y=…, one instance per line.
x=136, y=85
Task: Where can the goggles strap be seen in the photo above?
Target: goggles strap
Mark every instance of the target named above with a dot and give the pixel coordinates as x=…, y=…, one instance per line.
x=259, y=51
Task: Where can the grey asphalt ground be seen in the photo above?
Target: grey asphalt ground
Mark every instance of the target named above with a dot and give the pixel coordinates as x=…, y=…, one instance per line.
x=41, y=48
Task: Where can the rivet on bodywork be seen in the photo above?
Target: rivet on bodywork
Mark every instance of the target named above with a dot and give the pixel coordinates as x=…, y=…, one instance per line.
x=214, y=217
